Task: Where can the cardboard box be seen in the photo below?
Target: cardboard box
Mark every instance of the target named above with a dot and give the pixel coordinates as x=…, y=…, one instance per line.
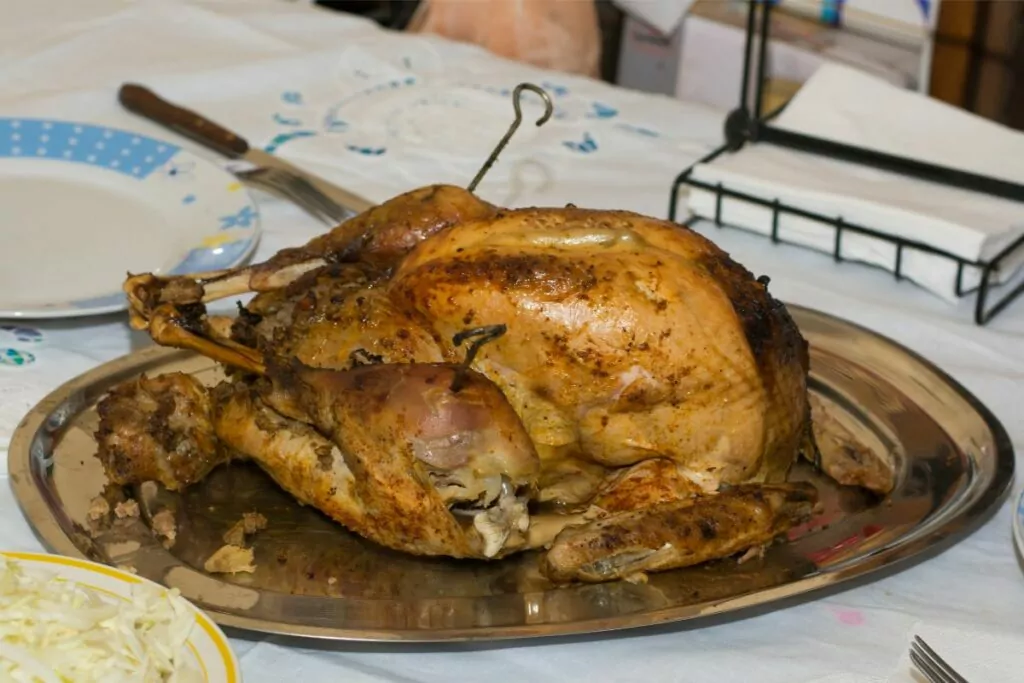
x=700, y=58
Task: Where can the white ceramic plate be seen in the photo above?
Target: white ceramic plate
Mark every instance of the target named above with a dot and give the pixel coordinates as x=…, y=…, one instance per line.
x=81, y=205
x=211, y=652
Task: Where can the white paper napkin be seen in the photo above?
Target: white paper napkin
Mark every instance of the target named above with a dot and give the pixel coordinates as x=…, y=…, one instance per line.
x=842, y=104
x=846, y=105
x=986, y=656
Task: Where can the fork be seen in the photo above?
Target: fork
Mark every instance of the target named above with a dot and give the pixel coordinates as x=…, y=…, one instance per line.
x=298, y=190
x=931, y=665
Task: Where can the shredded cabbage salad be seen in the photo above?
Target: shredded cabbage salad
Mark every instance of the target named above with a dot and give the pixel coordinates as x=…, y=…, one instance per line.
x=57, y=631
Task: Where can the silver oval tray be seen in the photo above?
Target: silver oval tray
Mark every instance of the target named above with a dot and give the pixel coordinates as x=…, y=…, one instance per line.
x=954, y=464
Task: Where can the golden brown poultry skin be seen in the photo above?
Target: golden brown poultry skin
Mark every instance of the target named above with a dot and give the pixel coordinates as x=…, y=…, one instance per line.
x=158, y=429
x=328, y=314
x=628, y=338
x=645, y=385
x=388, y=451
x=385, y=233
x=382, y=235
x=419, y=451
x=676, y=534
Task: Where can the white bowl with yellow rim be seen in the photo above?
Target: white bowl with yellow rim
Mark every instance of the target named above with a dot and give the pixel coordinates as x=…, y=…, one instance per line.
x=206, y=653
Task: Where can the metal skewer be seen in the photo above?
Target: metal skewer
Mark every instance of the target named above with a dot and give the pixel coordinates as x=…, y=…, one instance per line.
x=549, y=109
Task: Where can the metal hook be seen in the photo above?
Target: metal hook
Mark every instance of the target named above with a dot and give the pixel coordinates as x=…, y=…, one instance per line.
x=482, y=336
x=549, y=109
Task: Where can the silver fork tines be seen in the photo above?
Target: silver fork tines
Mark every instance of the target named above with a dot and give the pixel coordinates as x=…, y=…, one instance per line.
x=931, y=665
x=298, y=190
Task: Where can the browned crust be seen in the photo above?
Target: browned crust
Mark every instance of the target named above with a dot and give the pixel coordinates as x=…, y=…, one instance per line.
x=677, y=534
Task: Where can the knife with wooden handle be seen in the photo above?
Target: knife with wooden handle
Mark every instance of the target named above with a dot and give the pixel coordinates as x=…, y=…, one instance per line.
x=141, y=100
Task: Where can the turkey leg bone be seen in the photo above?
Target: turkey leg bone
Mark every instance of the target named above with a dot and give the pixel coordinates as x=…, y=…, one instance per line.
x=436, y=471
x=683, y=532
x=380, y=235
x=652, y=517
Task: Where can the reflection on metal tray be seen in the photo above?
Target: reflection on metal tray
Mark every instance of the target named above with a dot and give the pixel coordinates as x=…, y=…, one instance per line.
x=953, y=460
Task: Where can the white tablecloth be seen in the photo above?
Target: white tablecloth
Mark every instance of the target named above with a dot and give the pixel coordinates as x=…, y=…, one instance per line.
x=236, y=60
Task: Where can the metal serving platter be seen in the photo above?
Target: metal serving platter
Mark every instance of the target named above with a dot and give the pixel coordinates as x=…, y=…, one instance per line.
x=953, y=460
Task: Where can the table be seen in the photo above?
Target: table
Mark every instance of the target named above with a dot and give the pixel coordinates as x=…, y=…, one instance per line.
x=234, y=60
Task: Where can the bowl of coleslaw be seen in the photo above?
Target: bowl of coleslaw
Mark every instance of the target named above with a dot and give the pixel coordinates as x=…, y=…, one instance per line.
x=65, y=620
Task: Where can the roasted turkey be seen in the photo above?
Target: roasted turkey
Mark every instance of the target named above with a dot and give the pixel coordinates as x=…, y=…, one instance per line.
x=445, y=377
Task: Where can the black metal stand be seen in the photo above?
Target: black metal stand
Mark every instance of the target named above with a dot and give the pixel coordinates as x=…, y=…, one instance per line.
x=743, y=127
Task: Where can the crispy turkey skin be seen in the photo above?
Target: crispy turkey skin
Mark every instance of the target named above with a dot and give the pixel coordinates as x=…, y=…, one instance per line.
x=621, y=371
x=629, y=338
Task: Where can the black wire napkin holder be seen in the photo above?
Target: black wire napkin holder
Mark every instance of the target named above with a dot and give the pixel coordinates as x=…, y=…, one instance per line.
x=742, y=128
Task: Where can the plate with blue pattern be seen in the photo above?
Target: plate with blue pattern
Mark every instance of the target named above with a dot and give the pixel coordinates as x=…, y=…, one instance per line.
x=84, y=204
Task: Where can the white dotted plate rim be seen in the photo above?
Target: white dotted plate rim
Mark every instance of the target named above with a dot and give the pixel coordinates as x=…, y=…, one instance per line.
x=211, y=257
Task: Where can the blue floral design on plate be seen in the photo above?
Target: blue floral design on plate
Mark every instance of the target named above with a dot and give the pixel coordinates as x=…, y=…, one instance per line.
x=335, y=125
x=138, y=158
x=282, y=138
x=292, y=97
x=586, y=147
x=179, y=170
x=286, y=121
x=367, y=151
x=244, y=218
x=640, y=130
x=493, y=90
x=555, y=89
x=602, y=111
x=23, y=334
x=117, y=150
x=16, y=357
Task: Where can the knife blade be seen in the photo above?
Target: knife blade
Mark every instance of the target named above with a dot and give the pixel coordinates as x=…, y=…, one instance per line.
x=142, y=101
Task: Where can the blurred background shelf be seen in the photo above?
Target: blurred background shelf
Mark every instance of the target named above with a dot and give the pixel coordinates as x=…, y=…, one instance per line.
x=965, y=52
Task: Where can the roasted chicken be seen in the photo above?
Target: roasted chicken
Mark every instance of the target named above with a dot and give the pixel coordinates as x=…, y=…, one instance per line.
x=447, y=378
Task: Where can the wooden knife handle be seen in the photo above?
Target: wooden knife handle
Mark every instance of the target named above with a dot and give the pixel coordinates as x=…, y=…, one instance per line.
x=144, y=102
